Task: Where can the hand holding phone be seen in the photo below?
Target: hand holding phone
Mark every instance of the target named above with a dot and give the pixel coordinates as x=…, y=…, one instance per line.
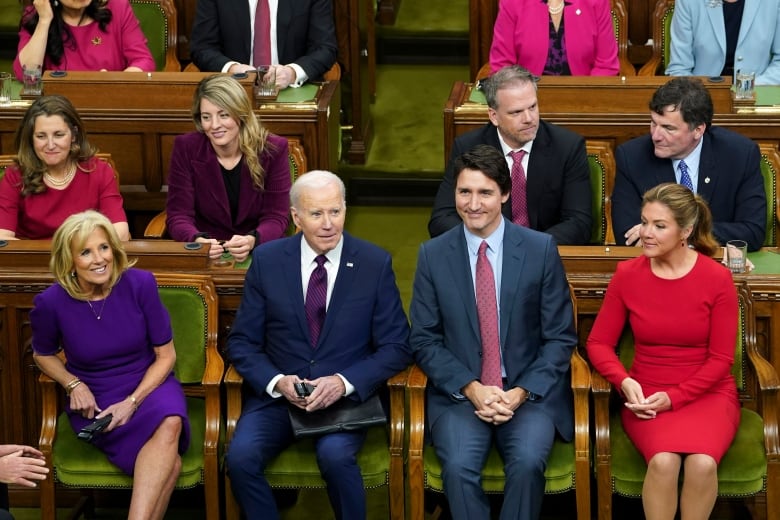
x=90, y=430
x=303, y=389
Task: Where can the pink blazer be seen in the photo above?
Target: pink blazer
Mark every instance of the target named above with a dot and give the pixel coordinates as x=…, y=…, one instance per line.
x=520, y=36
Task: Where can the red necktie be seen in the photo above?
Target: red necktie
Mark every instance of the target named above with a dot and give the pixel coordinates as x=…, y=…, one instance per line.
x=487, y=311
x=262, y=43
x=315, y=299
x=519, y=196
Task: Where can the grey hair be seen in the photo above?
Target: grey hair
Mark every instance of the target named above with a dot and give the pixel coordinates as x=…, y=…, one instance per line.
x=315, y=179
x=506, y=77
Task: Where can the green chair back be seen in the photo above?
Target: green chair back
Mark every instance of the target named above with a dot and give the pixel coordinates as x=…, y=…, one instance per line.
x=666, y=38
x=769, y=174
x=598, y=183
x=10, y=14
x=743, y=469
x=154, y=24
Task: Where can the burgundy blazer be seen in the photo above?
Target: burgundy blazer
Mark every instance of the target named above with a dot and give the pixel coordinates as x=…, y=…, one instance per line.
x=198, y=202
x=521, y=36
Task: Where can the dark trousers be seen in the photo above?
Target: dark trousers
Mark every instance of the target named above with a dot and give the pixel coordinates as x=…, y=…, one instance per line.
x=261, y=434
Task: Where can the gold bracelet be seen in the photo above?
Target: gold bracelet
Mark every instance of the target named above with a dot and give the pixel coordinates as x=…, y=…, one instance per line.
x=73, y=384
x=134, y=401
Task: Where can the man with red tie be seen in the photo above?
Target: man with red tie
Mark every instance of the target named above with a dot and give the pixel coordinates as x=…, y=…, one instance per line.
x=493, y=329
x=549, y=164
x=298, y=37
x=320, y=307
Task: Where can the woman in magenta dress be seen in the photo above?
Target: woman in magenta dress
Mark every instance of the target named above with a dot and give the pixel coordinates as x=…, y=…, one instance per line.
x=555, y=37
x=116, y=335
x=82, y=35
x=681, y=405
x=56, y=175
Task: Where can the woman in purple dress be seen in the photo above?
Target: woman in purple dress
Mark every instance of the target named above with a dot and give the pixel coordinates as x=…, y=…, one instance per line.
x=116, y=334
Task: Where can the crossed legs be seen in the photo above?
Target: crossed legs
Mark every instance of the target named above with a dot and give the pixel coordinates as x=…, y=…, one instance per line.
x=699, y=490
x=156, y=469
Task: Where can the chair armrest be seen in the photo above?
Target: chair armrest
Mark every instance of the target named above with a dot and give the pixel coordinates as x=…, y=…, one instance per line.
x=415, y=389
x=602, y=390
x=156, y=227
x=396, y=388
x=50, y=412
x=232, y=381
x=651, y=67
x=580, y=384
x=768, y=383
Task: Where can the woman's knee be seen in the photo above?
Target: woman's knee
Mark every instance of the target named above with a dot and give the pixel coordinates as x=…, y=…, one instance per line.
x=170, y=429
x=664, y=464
x=700, y=466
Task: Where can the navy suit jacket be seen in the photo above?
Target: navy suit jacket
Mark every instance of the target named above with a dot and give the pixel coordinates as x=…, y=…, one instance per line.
x=558, y=187
x=536, y=322
x=730, y=181
x=305, y=34
x=365, y=337
x=198, y=201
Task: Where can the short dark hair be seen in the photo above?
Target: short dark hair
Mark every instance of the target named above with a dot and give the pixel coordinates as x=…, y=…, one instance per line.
x=505, y=77
x=488, y=160
x=689, y=96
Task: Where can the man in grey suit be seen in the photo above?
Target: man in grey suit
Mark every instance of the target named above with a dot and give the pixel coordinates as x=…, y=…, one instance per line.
x=555, y=161
x=524, y=398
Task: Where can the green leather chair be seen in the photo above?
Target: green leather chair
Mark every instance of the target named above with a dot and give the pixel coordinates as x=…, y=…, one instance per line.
x=568, y=466
x=158, y=22
x=662, y=21
x=770, y=162
x=156, y=228
x=381, y=458
x=602, y=178
x=751, y=466
x=191, y=301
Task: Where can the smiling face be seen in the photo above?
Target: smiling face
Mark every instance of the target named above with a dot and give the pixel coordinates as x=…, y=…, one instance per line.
x=320, y=216
x=673, y=137
x=478, y=200
x=218, y=125
x=93, y=262
x=659, y=231
x=52, y=139
x=516, y=114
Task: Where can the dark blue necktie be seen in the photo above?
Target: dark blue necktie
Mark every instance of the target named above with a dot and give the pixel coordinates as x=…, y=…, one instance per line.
x=685, y=178
x=315, y=299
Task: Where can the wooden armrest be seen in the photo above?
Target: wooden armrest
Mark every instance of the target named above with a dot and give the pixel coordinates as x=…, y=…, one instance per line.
x=415, y=388
x=651, y=67
x=768, y=382
x=233, y=382
x=580, y=383
x=156, y=227
x=50, y=412
x=396, y=388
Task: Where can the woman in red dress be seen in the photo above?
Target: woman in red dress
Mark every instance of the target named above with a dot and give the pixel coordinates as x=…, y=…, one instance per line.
x=681, y=405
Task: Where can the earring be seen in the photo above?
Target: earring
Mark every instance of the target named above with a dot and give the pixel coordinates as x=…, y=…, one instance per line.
x=56, y=3
x=73, y=274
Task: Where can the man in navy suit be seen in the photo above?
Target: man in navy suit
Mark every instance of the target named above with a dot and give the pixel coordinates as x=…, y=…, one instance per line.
x=556, y=161
x=304, y=47
x=723, y=167
x=535, y=329
x=363, y=341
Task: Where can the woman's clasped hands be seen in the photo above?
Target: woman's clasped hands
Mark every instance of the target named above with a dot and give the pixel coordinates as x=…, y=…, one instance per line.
x=644, y=407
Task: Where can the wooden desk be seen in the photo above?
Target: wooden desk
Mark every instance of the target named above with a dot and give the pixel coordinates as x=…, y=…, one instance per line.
x=136, y=117
x=608, y=109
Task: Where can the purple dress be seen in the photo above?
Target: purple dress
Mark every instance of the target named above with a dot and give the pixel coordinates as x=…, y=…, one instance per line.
x=111, y=355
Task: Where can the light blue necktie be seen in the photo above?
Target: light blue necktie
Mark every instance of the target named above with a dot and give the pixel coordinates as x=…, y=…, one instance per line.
x=685, y=178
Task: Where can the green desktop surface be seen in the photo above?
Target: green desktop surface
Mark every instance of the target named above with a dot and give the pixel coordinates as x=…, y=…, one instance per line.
x=766, y=261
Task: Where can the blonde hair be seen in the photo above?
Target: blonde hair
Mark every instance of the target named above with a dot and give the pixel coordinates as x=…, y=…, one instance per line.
x=688, y=210
x=73, y=234
x=229, y=95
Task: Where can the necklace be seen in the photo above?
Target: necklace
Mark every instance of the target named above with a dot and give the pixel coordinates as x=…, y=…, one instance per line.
x=555, y=10
x=99, y=315
x=59, y=183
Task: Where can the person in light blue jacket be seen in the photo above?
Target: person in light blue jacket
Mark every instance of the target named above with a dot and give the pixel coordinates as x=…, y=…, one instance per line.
x=719, y=37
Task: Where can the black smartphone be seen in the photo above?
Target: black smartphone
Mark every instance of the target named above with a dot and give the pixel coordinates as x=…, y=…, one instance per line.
x=304, y=389
x=90, y=430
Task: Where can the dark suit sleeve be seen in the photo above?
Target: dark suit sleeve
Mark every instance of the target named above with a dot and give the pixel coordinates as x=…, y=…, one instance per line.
x=180, y=206
x=626, y=198
x=749, y=221
x=444, y=215
x=574, y=225
x=205, y=42
x=314, y=41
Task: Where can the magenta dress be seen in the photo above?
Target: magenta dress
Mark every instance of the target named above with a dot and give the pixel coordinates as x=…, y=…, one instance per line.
x=111, y=356
x=122, y=45
x=37, y=217
x=684, y=332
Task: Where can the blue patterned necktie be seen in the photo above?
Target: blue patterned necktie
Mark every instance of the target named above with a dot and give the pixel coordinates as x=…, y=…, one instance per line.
x=315, y=299
x=685, y=178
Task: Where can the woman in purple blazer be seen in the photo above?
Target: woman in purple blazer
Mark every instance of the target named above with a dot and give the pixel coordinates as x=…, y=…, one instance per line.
x=229, y=182
x=555, y=37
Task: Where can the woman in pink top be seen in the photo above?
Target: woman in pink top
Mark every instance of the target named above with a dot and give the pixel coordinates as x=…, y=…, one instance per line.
x=555, y=37
x=82, y=35
x=56, y=175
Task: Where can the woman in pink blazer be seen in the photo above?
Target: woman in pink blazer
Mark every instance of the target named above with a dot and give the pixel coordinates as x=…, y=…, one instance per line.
x=555, y=37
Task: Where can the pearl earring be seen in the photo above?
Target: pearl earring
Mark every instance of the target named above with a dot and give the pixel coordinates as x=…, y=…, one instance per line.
x=56, y=3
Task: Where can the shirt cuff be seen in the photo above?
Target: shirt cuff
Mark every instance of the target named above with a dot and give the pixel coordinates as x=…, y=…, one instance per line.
x=272, y=384
x=348, y=387
x=226, y=66
x=300, y=75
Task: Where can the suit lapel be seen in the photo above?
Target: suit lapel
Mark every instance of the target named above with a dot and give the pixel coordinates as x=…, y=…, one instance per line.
x=707, y=169
x=283, y=20
x=460, y=268
x=211, y=183
x=715, y=16
x=748, y=15
x=535, y=176
x=512, y=267
x=292, y=279
x=345, y=279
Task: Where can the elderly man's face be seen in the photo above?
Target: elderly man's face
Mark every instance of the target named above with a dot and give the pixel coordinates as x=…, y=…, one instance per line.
x=673, y=137
x=321, y=217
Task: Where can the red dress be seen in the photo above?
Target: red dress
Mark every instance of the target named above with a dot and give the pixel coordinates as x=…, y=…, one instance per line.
x=684, y=335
